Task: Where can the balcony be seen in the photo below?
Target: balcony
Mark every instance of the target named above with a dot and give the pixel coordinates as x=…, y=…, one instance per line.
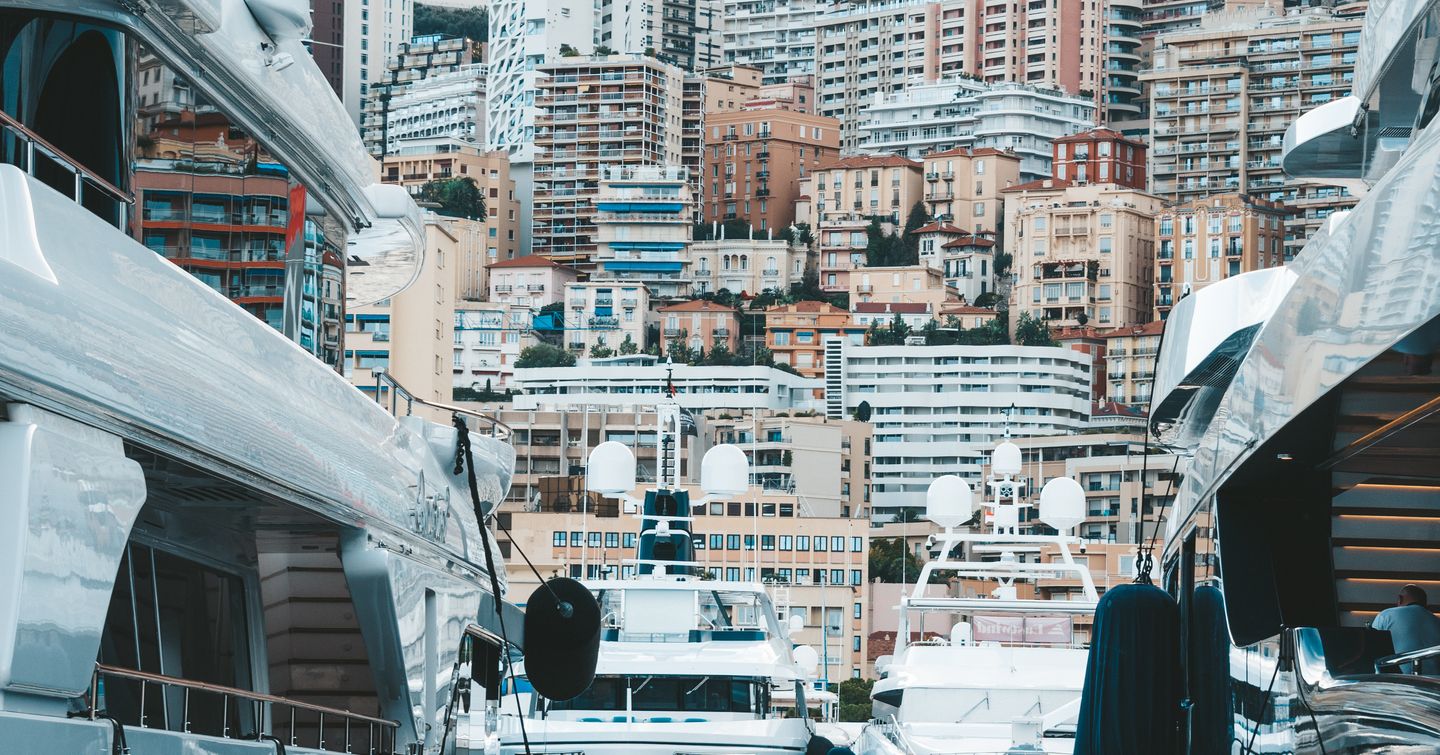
x=762, y=192
x=605, y=323
x=762, y=175
x=629, y=303
x=673, y=332
x=864, y=288
x=535, y=287
x=721, y=332
x=932, y=176
x=504, y=288
x=729, y=137
x=577, y=303
x=947, y=175
x=763, y=154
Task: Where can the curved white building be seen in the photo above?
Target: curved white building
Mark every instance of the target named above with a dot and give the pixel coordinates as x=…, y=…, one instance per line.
x=944, y=407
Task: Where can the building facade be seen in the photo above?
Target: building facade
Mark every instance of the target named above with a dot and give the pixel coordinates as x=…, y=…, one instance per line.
x=605, y=314
x=700, y=325
x=1101, y=156
x=965, y=260
x=638, y=381
x=754, y=160
x=433, y=86
x=1130, y=363
x=962, y=113
x=644, y=220
x=1207, y=240
x=1083, y=253
x=777, y=38
x=372, y=36
x=914, y=284
x=531, y=281
x=489, y=337
x=524, y=34
x=796, y=334
x=1222, y=95
x=824, y=463
x=746, y=266
x=848, y=194
x=597, y=114
x=965, y=186
x=946, y=407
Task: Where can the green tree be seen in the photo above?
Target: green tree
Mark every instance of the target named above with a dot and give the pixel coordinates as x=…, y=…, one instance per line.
x=914, y=222
x=855, y=703
x=720, y=356
x=986, y=300
x=601, y=351
x=627, y=346
x=457, y=197
x=891, y=561
x=603, y=50
x=1031, y=331
x=566, y=51
x=878, y=246
x=470, y=23
x=544, y=355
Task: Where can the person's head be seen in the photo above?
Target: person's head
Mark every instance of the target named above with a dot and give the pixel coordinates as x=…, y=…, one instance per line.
x=1412, y=595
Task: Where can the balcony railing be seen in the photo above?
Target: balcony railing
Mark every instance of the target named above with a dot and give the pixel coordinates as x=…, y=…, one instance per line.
x=720, y=332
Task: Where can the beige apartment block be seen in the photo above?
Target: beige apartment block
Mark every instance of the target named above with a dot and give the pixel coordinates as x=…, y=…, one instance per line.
x=605, y=313
x=813, y=567
x=489, y=337
x=1083, y=253
x=421, y=161
x=754, y=160
x=1207, y=240
x=916, y=284
x=824, y=463
x=700, y=324
x=847, y=194
x=644, y=218
x=728, y=88
x=550, y=444
x=965, y=187
x=531, y=281
x=1130, y=363
x=410, y=336
x=597, y=114
x=966, y=260
x=797, y=93
x=869, y=50
x=746, y=266
x=1222, y=95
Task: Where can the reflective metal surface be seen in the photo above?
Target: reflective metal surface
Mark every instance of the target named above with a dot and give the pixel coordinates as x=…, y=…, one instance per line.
x=1387, y=22
x=70, y=496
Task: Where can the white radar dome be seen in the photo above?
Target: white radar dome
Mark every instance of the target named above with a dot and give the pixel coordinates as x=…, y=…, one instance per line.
x=1062, y=503
x=807, y=660
x=1006, y=459
x=610, y=469
x=725, y=471
x=949, y=502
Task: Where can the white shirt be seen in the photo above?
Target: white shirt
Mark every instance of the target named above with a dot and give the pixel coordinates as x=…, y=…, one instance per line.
x=1411, y=627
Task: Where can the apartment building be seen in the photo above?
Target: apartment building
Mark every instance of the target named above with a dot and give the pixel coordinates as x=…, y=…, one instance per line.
x=489, y=337
x=605, y=313
x=683, y=33
x=867, y=52
x=1083, y=253
x=965, y=186
x=729, y=87
x=701, y=325
x=823, y=462
x=551, y=447
x=531, y=281
x=1222, y=95
x=914, y=284
x=417, y=162
x=915, y=315
x=597, y=114
x=524, y=34
x=643, y=217
x=848, y=193
x=945, y=407
x=1166, y=16
x=638, y=380
x=796, y=334
x=1130, y=363
x=965, y=260
x=962, y=113
x=777, y=37
x=433, y=86
x=409, y=336
x=746, y=266
x=1100, y=156
x=371, y=38
x=1207, y=240
x=755, y=158
x=815, y=567
x=967, y=316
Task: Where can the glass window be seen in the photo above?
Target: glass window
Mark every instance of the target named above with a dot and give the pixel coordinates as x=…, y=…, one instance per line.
x=717, y=542
x=612, y=539
x=577, y=538
x=767, y=542
x=858, y=610
x=630, y=540
x=732, y=542
x=837, y=544
x=821, y=543
x=802, y=542
x=749, y=542
x=558, y=540
x=593, y=540
x=857, y=545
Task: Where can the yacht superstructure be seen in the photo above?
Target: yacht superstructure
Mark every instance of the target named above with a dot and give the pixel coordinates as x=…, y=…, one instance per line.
x=212, y=542
x=687, y=663
x=1310, y=492
x=1008, y=677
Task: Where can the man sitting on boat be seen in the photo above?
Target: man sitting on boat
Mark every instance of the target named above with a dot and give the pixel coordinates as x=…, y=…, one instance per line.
x=1411, y=626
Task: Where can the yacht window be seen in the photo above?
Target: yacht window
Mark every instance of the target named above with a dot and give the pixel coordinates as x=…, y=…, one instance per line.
x=712, y=694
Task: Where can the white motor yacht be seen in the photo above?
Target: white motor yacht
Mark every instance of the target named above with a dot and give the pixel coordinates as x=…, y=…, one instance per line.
x=687, y=664
x=1008, y=677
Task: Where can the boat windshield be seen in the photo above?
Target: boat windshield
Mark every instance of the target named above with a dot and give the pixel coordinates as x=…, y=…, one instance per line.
x=649, y=615
x=683, y=694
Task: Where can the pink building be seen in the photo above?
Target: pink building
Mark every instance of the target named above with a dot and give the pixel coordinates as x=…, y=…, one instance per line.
x=529, y=281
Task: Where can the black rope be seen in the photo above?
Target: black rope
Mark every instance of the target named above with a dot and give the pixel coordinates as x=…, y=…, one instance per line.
x=464, y=457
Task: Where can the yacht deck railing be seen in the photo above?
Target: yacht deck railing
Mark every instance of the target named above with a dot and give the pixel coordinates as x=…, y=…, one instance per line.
x=397, y=393
x=379, y=735
x=33, y=144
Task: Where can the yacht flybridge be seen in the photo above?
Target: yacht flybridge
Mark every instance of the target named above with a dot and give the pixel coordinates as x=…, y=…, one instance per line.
x=1008, y=677
x=1311, y=475
x=687, y=664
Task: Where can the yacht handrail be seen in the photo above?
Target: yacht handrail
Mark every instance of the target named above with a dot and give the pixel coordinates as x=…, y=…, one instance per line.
x=498, y=430
x=1398, y=659
x=257, y=699
x=34, y=142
